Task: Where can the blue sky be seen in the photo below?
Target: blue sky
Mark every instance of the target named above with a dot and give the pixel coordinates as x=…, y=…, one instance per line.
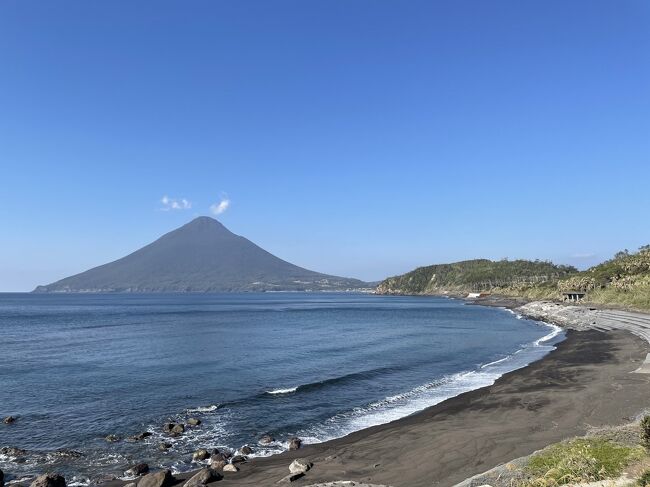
x=355, y=137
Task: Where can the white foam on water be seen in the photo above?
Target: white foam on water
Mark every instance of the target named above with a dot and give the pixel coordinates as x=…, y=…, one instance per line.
x=283, y=391
x=203, y=409
x=398, y=406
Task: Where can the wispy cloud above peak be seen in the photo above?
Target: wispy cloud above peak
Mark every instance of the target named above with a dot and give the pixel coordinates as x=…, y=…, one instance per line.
x=221, y=206
x=175, y=203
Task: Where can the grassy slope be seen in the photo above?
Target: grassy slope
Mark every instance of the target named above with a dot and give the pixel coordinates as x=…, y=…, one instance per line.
x=623, y=281
x=475, y=275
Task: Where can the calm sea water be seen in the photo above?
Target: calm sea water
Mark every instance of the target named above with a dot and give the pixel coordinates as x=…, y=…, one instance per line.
x=75, y=368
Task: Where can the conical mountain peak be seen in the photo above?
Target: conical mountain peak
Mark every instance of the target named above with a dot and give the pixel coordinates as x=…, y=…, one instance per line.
x=200, y=256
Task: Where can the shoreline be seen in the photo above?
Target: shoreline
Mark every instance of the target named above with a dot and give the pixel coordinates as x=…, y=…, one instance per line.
x=411, y=451
x=556, y=397
x=548, y=394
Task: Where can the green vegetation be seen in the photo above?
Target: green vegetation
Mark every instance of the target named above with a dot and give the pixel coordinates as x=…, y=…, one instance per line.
x=622, y=281
x=581, y=460
x=644, y=479
x=645, y=431
x=475, y=276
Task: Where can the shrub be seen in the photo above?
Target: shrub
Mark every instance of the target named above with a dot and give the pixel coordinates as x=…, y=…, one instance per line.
x=645, y=430
x=580, y=460
x=644, y=480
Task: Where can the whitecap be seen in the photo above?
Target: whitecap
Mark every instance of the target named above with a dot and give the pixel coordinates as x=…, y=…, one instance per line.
x=283, y=391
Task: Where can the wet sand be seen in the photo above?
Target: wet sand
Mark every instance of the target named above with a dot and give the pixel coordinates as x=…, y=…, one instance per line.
x=587, y=381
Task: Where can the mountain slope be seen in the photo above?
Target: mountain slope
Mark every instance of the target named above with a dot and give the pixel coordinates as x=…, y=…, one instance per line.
x=201, y=256
x=474, y=275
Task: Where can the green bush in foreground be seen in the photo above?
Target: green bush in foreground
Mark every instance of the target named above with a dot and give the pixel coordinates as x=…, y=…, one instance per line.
x=580, y=460
x=645, y=431
x=644, y=480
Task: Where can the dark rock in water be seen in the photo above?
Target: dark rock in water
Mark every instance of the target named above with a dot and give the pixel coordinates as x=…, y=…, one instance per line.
x=203, y=476
x=11, y=451
x=2, y=478
x=217, y=464
x=266, y=439
x=176, y=429
x=164, y=446
x=295, y=443
x=66, y=453
x=194, y=422
x=49, y=480
x=239, y=459
x=164, y=478
x=137, y=470
x=246, y=450
x=201, y=454
x=218, y=461
x=9, y=420
x=139, y=436
x=112, y=438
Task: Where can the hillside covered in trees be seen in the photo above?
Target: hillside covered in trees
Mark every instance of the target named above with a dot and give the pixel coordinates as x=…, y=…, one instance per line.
x=475, y=276
x=621, y=281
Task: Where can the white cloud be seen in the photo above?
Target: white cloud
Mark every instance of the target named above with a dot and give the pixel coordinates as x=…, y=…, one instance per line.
x=219, y=208
x=175, y=203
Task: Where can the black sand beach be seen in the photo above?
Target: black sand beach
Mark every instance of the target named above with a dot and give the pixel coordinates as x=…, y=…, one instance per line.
x=587, y=382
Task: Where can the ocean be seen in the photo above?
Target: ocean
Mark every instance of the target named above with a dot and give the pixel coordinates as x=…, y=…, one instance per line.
x=75, y=368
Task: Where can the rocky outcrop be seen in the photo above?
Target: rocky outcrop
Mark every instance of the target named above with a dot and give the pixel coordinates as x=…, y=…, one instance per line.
x=49, y=480
x=164, y=446
x=202, y=477
x=230, y=468
x=174, y=429
x=12, y=451
x=300, y=465
x=266, y=440
x=9, y=420
x=246, y=450
x=295, y=444
x=194, y=421
x=112, y=438
x=139, y=436
x=201, y=454
x=164, y=478
x=218, y=461
x=137, y=470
